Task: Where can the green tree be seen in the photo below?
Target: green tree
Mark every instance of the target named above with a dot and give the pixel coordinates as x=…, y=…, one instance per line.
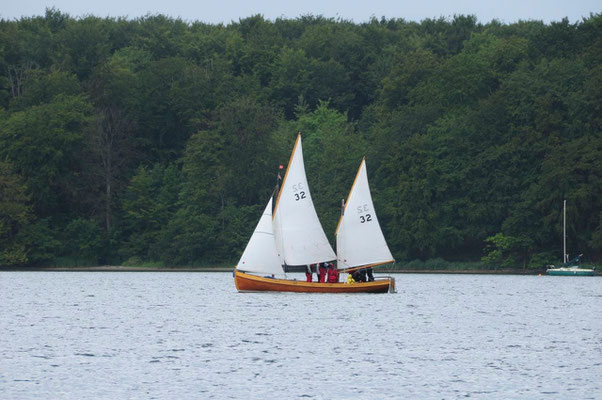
x=227, y=169
x=504, y=251
x=175, y=97
x=15, y=213
x=42, y=86
x=83, y=240
x=42, y=143
x=290, y=79
x=82, y=45
x=148, y=204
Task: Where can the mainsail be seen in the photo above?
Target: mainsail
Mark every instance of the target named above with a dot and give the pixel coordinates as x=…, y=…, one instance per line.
x=260, y=255
x=300, y=239
x=360, y=240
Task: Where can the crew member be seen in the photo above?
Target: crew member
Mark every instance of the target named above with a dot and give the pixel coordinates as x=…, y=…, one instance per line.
x=333, y=274
x=322, y=271
x=359, y=275
x=308, y=273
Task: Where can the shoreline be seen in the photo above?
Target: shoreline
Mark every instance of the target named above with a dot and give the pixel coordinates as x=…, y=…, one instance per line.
x=121, y=268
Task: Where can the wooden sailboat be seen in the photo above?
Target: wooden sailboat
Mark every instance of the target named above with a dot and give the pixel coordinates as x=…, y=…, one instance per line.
x=292, y=235
x=570, y=267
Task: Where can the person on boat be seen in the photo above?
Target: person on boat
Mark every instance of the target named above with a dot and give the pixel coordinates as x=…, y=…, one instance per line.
x=333, y=274
x=350, y=279
x=322, y=272
x=359, y=275
x=369, y=273
x=308, y=273
x=315, y=270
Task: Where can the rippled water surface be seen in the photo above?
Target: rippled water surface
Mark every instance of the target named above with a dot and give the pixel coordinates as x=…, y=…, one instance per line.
x=141, y=335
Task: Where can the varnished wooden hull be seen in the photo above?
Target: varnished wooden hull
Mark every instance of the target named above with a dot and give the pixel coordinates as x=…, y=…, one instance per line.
x=252, y=283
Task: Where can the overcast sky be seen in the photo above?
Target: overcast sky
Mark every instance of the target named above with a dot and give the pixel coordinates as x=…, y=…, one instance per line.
x=226, y=11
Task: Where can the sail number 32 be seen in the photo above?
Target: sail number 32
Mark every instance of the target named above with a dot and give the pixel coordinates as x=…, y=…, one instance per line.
x=364, y=217
x=299, y=192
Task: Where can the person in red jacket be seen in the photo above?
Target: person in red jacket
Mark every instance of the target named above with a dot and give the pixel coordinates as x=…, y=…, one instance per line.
x=333, y=274
x=322, y=270
x=308, y=273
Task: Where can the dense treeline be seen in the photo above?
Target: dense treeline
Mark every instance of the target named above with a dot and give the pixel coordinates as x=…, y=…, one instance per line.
x=158, y=140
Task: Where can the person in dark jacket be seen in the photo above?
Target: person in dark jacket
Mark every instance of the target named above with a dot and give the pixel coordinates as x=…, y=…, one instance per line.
x=369, y=273
x=362, y=275
x=358, y=276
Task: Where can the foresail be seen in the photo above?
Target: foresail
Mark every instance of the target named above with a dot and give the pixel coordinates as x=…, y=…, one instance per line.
x=300, y=238
x=260, y=255
x=360, y=240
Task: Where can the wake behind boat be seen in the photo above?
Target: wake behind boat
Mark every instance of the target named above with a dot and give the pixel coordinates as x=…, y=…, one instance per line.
x=291, y=235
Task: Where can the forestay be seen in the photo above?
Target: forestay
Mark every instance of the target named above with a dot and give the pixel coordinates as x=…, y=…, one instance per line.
x=360, y=240
x=300, y=238
x=260, y=255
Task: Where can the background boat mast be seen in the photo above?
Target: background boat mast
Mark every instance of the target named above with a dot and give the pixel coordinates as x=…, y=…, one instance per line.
x=564, y=255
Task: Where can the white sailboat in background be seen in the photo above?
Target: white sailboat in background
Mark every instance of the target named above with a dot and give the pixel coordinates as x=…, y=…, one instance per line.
x=570, y=267
x=360, y=240
x=293, y=235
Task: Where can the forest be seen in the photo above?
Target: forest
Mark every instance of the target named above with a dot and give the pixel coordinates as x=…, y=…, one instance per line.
x=158, y=140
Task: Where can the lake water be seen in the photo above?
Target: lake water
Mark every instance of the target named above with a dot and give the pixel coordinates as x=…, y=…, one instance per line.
x=169, y=335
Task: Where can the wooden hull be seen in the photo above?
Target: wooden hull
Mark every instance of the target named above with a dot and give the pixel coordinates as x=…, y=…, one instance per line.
x=252, y=283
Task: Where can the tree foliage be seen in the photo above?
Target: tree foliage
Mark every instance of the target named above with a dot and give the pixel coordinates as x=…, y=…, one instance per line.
x=158, y=139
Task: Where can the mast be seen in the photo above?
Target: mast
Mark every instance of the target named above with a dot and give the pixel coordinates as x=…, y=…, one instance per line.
x=565, y=256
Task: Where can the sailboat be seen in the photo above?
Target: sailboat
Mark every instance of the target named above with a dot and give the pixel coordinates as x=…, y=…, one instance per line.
x=289, y=233
x=570, y=267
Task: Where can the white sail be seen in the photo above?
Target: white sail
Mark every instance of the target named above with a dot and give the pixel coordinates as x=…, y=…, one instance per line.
x=260, y=255
x=300, y=238
x=360, y=240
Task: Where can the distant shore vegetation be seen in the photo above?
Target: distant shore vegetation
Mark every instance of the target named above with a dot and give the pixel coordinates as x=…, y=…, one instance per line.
x=155, y=141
